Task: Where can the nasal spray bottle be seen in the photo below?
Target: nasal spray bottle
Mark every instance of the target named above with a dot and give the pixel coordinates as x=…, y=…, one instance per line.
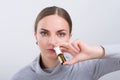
x=60, y=55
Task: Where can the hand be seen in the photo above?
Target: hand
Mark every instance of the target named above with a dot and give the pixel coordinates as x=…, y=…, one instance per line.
x=81, y=51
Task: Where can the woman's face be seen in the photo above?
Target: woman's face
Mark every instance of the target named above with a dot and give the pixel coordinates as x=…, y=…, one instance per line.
x=51, y=31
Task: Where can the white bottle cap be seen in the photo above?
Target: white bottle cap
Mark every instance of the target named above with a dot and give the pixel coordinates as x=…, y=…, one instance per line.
x=57, y=50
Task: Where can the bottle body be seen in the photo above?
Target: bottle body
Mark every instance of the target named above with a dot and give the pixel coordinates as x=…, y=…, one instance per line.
x=60, y=55
x=61, y=58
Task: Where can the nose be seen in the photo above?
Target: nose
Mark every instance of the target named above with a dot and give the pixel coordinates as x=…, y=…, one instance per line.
x=53, y=41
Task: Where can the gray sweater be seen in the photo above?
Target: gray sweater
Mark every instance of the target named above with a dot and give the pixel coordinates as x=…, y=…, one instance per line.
x=86, y=70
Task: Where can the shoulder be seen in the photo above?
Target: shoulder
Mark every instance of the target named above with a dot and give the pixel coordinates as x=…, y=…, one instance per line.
x=26, y=73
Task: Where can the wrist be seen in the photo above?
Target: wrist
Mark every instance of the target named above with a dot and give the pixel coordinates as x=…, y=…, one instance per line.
x=97, y=51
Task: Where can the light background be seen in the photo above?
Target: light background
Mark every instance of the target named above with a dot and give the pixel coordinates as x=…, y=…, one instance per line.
x=94, y=21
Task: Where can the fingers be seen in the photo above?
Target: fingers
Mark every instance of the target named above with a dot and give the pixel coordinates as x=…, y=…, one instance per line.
x=68, y=47
x=70, y=62
x=75, y=44
x=77, y=49
x=78, y=58
x=75, y=59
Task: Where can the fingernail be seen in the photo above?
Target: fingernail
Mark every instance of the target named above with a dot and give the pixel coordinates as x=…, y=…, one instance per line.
x=76, y=52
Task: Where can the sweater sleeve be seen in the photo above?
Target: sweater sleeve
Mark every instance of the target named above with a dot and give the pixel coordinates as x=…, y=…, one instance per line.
x=112, y=51
x=109, y=63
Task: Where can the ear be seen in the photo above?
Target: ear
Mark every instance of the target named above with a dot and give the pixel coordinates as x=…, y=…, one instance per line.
x=35, y=35
x=70, y=36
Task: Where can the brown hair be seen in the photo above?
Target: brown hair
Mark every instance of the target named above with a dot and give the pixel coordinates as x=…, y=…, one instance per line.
x=51, y=11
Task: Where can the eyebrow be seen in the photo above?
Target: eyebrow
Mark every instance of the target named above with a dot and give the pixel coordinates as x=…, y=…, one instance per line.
x=57, y=31
x=61, y=30
x=44, y=29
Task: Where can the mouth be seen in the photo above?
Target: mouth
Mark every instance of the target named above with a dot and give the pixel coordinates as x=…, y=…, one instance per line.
x=51, y=50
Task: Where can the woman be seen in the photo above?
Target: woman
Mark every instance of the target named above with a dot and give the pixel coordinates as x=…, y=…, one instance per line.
x=53, y=28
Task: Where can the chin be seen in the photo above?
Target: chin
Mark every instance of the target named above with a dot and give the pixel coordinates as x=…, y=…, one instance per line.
x=52, y=57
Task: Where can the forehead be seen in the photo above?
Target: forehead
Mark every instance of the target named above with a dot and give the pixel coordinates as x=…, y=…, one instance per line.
x=53, y=22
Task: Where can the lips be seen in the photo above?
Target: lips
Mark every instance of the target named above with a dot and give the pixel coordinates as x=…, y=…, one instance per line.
x=51, y=50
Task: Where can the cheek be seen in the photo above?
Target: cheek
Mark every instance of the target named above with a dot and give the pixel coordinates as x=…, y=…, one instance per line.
x=67, y=38
x=42, y=42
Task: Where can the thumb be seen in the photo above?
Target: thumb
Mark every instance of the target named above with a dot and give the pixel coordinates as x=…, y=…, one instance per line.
x=72, y=61
x=76, y=59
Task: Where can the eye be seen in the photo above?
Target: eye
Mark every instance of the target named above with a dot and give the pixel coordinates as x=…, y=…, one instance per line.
x=44, y=33
x=61, y=34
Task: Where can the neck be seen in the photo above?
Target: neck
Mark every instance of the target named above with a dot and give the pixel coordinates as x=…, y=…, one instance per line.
x=47, y=63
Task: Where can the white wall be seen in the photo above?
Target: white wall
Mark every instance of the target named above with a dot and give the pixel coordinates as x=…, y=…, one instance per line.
x=94, y=21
